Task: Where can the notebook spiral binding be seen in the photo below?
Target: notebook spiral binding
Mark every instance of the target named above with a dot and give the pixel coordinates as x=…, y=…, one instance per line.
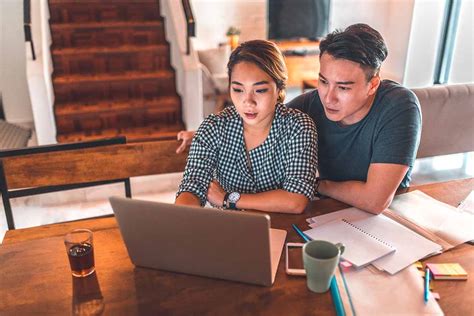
x=363, y=231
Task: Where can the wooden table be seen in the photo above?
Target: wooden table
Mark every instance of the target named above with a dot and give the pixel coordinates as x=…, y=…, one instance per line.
x=35, y=275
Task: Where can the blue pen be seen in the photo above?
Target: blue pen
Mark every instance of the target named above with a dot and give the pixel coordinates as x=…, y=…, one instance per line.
x=299, y=232
x=336, y=297
x=427, y=284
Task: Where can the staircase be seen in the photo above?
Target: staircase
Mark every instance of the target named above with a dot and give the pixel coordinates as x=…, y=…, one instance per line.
x=112, y=72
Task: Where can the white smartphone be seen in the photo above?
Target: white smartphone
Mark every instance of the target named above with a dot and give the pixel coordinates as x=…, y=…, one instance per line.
x=294, y=258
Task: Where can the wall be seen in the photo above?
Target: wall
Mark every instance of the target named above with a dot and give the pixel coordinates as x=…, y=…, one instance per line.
x=213, y=18
x=463, y=55
x=392, y=18
x=424, y=43
x=16, y=101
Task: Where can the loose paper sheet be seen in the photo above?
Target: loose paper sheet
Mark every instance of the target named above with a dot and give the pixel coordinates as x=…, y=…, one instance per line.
x=442, y=219
x=377, y=293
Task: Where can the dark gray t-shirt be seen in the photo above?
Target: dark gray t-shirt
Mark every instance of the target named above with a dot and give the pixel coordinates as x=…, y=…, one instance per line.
x=390, y=133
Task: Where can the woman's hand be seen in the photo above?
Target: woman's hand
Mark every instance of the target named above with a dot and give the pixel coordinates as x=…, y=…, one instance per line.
x=216, y=194
x=186, y=137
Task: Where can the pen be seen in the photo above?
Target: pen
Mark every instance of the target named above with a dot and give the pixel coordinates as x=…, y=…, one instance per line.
x=299, y=232
x=336, y=297
x=427, y=284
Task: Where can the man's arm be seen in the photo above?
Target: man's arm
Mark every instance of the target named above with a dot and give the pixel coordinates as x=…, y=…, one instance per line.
x=186, y=137
x=394, y=151
x=374, y=195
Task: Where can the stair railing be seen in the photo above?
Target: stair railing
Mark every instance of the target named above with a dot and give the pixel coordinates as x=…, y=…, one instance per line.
x=39, y=72
x=190, y=22
x=186, y=64
x=27, y=26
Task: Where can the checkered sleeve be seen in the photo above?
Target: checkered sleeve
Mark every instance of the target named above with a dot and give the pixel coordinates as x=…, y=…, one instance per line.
x=302, y=158
x=202, y=160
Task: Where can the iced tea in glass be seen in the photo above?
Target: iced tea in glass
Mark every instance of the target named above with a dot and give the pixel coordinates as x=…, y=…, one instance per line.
x=80, y=251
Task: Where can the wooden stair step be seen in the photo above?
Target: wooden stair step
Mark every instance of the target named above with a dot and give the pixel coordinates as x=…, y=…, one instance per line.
x=54, y=2
x=107, y=34
x=136, y=134
x=67, y=11
x=71, y=51
x=127, y=76
x=104, y=25
x=164, y=104
x=117, y=117
x=93, y=60
x=129, y=88
x=112, y=71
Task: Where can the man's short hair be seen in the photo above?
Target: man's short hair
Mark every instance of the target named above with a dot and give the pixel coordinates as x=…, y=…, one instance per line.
x=358, y=43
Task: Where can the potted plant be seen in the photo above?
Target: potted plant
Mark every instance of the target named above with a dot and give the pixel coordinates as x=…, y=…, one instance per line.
x=233, y=36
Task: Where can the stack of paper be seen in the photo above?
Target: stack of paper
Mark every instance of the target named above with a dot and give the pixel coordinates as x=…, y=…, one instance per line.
x=409, y=245
x=361, y=247
x=447, y=271
x=442, y=219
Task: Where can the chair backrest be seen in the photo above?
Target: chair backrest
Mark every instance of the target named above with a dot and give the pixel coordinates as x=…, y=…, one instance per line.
x=448, y=119
x=66, y=169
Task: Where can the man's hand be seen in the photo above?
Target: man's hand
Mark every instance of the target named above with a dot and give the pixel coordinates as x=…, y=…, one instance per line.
x=186, y=137
x=216, y=194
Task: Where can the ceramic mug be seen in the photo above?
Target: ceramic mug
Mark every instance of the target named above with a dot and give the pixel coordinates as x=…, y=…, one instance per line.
x=320, y=259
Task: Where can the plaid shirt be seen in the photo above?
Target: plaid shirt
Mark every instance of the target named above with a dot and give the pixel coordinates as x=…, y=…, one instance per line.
x=286, y=160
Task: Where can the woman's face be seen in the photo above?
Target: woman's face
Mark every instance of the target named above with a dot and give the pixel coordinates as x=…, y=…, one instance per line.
x=254, y=94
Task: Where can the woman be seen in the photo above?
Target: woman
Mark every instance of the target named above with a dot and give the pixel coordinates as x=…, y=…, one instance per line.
x=256, y=154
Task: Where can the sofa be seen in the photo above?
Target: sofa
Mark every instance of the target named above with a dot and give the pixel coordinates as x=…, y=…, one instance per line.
x=214, y=78
x=448, y=119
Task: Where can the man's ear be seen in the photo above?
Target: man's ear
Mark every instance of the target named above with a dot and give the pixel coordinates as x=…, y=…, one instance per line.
x=374, y=84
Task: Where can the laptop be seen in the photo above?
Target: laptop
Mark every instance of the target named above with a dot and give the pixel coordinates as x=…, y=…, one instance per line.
x=229, y=245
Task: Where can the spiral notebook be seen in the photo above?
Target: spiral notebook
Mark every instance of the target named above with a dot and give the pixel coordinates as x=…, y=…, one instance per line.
x=361, y=247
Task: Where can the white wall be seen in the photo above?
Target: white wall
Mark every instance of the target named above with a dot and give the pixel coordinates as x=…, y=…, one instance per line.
x=424, y=43
x=213, y=18
x=16, y=101
x=392, y=18
x=463, y=55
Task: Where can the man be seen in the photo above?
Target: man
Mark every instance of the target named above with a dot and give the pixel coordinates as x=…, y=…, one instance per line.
x=369, y=129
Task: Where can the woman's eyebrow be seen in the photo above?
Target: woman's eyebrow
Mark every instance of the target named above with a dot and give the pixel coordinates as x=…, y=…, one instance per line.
x=255, y=84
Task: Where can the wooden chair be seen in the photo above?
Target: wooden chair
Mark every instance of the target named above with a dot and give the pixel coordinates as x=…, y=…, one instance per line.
x=53, y=169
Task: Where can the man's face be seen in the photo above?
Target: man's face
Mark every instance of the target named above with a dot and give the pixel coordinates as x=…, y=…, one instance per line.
x=344, y=91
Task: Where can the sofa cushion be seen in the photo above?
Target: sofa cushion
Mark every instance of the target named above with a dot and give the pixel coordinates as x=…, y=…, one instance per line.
x=448, y=119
